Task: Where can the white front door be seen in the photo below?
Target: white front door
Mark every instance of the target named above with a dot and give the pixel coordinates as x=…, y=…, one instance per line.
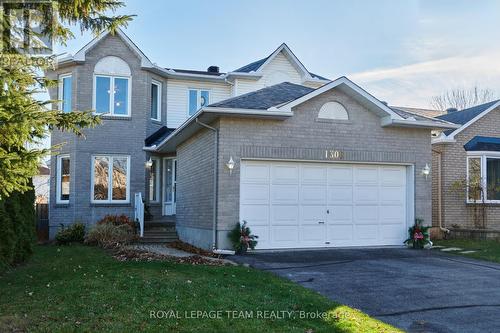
x=169, y=185
x=292, y=204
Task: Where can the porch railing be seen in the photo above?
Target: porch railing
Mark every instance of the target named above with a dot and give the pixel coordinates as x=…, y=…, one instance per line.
x=139, y=212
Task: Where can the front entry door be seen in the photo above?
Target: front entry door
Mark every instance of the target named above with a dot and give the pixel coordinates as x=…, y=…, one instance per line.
x=169, y=185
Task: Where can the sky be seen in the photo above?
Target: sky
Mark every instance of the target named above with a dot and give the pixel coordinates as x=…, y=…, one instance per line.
x=401, y=51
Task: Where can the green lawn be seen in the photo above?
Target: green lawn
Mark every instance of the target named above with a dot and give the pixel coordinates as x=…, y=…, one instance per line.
x=80, y=288
x=486, y=249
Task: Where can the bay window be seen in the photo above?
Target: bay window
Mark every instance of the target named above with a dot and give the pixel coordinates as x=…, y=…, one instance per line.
x=112, y=95
x=110, y=179
x=63, y=179
x=197, y=99
x=483, y=178
x=65, y=85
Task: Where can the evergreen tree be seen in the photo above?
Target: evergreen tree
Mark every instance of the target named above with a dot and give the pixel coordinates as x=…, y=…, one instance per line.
x=25, y=120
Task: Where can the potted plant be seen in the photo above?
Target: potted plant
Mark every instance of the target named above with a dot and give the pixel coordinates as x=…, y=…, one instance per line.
x=242, y=238
x=418, y=235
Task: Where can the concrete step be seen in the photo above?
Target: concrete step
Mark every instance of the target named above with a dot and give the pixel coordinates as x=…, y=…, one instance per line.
x=160, y=234
x=159, y=229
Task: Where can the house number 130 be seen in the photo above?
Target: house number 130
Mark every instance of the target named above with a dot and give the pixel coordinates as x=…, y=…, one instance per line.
x=333, y=154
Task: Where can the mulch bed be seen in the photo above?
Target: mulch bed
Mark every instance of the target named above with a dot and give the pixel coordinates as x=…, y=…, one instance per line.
x=180, y=245
x=127, y=254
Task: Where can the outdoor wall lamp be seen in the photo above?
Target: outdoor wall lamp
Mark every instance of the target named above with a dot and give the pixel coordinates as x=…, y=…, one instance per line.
x=149, y=163
x=230, y=165
x=426, y=170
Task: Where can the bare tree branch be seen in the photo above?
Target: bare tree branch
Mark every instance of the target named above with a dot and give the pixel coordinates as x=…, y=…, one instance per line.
x=463, y=98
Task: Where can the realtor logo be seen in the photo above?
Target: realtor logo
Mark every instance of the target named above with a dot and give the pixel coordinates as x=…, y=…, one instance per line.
x=24, y=26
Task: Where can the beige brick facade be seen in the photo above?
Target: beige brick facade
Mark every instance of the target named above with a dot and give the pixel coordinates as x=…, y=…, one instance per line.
x=454, y=210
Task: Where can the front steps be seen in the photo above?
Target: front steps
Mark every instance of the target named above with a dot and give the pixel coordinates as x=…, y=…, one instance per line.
x=159, y=231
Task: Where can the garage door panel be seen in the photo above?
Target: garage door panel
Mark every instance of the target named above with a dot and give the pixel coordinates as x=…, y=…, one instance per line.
x=393, y=176
x=313, y=194
x=255, y=172
x=340, y=175
x=255, y=214
x=340, y=214
x=312, y=214
x=255, y=194
x=313, y=234
x=284, y=174
x=341, y=232
x=367, y=232
x=392, y=233
x=392, y=214
x=285, y=215
x=284, y=235
x=366, y=194
x=392, y=195
x=340, y=194
x=366, y=215
x=366, y=175
x=311, y=174
x=284, y=194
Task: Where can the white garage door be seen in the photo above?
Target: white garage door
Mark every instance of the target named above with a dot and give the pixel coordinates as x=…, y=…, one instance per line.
x=298, y=205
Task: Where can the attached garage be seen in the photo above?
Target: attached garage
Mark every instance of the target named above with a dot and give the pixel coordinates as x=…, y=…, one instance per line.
x=305, y=205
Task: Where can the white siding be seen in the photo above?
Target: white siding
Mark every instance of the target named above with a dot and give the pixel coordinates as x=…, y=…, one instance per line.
x=280, y=69
x=177, y=98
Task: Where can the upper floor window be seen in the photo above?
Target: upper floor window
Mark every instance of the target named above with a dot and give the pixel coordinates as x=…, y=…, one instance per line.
x=197, y=99
x=112, y=91
x=333, y=110
x=156, y=100
x=63, y=179
x=65, y=84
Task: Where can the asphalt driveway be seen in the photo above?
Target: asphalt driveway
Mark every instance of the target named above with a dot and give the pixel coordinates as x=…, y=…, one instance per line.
x=418, y=291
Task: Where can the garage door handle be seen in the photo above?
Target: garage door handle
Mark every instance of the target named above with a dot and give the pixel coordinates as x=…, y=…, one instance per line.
x=321, y=222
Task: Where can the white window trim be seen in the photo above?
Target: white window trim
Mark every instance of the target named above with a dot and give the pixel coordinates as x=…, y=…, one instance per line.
x=483, y=155
x=58, y=179
x=61, y=89
x=157, y=180
x=159, y=85
x=110, y=179
x=198, y=98
x=112, y=98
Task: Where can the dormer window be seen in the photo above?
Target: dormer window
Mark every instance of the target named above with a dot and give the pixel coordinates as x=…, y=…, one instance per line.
x=198, y=98
x=333, y=111
x=112, y=87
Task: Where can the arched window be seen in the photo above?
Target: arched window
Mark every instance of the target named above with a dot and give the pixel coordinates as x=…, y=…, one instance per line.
x=112, y=87
x=333, y=110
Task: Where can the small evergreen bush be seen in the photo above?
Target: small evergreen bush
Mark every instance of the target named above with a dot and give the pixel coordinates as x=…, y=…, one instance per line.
x=75, y=233
x=242, y=239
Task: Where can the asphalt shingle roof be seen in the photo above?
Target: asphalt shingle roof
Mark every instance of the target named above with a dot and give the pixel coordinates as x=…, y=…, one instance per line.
x=158, y=136
x=483, y=143
x=265, y=98
x=463, y=116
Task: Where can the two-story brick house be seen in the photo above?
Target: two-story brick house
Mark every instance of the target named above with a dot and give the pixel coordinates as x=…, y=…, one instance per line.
x=306, y=161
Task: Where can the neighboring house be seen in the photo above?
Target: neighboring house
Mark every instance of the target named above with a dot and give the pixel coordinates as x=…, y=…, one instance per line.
x=466, y=164
x=41, y=184
x=307, y=162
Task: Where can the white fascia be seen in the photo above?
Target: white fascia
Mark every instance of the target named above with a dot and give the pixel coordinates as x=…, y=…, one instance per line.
x=387, y=121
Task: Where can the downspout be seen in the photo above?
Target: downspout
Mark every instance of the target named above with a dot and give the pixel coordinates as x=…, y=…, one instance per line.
x=216, y=167
x=440, y=205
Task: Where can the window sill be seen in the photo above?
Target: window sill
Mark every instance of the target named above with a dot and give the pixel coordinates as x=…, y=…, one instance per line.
x=61, y=205
x=156, y=121
x=115, y=117
x=486, y=204
x=110, y=204
x=334, y=121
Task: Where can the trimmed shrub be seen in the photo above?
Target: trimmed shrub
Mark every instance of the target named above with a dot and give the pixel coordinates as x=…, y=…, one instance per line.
x=117, y=220
x=109, y=235
x=17, y=228
x=242, y=239
x=75, y=233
